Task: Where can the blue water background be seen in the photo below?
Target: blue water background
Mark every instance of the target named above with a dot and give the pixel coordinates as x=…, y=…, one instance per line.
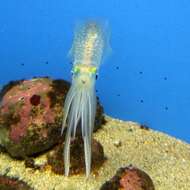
x=146, y=78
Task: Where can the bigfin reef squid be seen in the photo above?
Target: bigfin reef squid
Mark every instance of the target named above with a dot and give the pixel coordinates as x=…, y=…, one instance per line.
x=87, y=53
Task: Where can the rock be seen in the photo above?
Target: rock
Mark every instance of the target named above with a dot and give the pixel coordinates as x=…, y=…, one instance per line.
x=129, y=178
x=77, y=162
x=8, y=183
x=31, y=113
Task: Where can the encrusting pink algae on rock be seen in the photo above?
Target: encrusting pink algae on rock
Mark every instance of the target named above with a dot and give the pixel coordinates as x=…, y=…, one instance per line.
x=129, y=178
x=31, y=114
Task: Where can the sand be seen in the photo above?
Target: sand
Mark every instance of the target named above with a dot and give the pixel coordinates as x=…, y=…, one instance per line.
x=164, y=158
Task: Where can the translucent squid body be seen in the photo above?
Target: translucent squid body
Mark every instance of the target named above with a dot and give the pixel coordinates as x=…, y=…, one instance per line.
x=80, y=104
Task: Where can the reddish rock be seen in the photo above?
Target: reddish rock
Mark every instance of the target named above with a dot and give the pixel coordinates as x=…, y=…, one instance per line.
x=31, y=113
x=129, y=178
x=77, y=162
x=8, y=183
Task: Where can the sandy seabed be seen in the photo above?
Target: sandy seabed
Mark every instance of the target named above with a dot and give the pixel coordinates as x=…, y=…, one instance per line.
x=165, y=159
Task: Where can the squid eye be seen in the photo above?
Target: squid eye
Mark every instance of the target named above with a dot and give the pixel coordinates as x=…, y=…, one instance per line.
x=93, y=70
x=76, y=69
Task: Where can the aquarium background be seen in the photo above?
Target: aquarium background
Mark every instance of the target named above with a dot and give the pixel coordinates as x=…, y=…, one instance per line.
x=146, y=78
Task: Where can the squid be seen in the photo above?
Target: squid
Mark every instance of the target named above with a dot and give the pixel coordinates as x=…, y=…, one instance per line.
x=86, y=53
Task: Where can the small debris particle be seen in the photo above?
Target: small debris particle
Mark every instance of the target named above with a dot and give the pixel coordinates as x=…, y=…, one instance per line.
x=145, y=127
x=117, y=143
